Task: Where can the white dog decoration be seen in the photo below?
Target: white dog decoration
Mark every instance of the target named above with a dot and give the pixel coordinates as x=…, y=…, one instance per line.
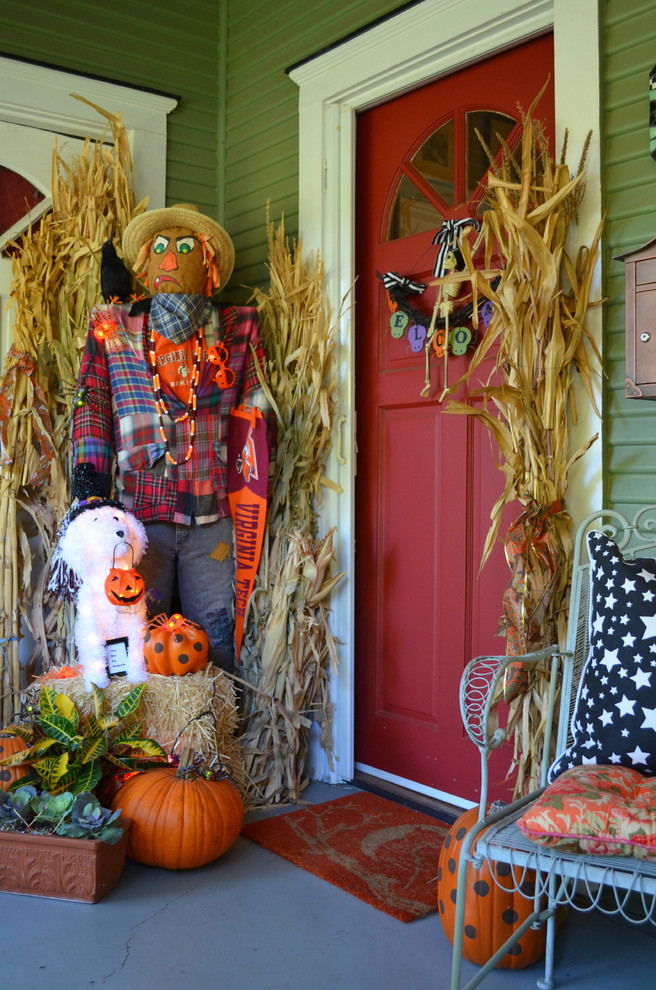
x=98, y=536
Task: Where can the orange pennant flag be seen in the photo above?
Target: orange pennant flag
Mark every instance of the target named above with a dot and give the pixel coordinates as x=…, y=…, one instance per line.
x=248, y=473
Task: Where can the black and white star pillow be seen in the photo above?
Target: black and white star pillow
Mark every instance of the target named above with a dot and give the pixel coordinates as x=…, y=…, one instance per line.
x=614, y=720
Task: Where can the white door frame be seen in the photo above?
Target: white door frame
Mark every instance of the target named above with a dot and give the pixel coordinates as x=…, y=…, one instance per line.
x=41, y=97
x=428, y=40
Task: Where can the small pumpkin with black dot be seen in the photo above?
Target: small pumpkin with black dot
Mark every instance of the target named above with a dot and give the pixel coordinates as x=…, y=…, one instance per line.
x=175, y=646
x=491, y=914
x=10, y=745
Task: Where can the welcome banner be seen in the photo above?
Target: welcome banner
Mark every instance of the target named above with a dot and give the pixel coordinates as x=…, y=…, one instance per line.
x=248, y=473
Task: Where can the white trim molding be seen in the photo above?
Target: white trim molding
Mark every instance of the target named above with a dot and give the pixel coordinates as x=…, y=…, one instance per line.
x=42, y=98
x=419, y=44
x=431, y=792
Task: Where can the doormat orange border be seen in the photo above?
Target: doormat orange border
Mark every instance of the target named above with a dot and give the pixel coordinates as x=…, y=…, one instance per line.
x=378, y=850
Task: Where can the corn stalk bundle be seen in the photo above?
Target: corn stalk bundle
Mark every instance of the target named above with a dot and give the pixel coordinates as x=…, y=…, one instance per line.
x=536, y=337
x=288, y=648
x=55, y=284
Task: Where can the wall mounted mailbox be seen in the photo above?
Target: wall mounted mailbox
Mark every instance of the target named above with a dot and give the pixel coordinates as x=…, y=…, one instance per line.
x=640, y=304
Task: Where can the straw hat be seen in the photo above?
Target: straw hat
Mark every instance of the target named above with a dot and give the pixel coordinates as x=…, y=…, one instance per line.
x=146, y=225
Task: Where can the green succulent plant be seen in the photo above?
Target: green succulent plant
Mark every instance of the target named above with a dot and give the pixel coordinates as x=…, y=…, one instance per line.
x=76, y=816
x=70, y=752
x=15, y=806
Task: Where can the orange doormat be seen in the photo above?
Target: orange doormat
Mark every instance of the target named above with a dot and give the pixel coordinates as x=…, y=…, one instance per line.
x=380, y=851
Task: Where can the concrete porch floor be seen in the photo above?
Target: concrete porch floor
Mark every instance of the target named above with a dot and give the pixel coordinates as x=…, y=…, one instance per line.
x=252, y=921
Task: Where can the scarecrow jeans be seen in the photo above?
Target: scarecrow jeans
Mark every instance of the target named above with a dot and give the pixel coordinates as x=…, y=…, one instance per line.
x=205, y=582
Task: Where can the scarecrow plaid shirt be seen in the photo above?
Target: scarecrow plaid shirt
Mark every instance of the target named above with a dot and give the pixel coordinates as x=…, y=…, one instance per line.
x=119, y=417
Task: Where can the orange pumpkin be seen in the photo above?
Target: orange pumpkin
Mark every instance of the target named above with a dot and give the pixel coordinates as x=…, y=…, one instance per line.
x=124, y=586
x=177, y=822
x=175, y=646
x=8, y=746
x=491, y=913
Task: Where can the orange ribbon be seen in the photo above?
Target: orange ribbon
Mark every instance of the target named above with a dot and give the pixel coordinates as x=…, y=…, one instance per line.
x=529, y=534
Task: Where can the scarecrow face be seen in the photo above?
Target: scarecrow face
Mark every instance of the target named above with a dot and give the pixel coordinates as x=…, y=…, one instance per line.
x=175, y=262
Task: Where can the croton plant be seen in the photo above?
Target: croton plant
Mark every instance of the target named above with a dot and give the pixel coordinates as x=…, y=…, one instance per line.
x=65, y=751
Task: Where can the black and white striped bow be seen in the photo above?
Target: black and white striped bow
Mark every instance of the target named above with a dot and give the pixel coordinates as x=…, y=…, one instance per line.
x=450, y=231
x=392, y=280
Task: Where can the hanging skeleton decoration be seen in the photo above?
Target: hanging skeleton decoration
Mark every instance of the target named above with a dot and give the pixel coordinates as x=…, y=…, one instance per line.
x=446, y=331
x=449, y=260
x=448, y=240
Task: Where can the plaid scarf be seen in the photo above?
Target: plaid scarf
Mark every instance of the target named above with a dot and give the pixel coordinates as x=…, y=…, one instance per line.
x=178, y=317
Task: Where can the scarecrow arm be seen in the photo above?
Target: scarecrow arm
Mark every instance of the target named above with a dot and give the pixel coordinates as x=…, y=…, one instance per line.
x=92, y=430
x=253, y=394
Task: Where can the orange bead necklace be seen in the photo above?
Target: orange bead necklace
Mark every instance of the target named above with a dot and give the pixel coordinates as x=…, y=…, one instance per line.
x=190, y=412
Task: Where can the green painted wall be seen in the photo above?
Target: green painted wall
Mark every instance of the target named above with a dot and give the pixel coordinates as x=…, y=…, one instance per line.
x=233, y=139
x=629, y=185
x=164, y=45
x=262, y=110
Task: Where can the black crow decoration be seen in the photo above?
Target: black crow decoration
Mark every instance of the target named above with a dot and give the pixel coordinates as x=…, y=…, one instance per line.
x=115, y=281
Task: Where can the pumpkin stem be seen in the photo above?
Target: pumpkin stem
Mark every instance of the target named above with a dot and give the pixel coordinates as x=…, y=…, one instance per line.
x=186, y=764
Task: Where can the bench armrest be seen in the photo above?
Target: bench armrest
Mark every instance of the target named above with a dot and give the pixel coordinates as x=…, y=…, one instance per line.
x=481, y=689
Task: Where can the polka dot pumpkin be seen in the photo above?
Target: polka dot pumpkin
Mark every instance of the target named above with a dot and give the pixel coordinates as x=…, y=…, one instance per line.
x=491, y=914
x=9, y=745
x=175, y=646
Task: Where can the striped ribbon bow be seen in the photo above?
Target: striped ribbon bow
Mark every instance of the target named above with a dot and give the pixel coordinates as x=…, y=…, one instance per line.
x=450, y=231
x=392, y=280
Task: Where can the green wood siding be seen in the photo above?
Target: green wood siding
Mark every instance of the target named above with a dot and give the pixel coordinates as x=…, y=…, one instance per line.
x=629, y=185
x=262, y=111
x=233, y=139
x=166, y=46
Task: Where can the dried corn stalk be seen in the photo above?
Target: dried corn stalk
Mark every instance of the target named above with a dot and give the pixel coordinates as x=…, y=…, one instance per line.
x=55, y=284
x=536, y=338
x=288, y=647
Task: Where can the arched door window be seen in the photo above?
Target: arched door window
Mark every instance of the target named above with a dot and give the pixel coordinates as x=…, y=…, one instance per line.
x=448, y=168
x=18, y=197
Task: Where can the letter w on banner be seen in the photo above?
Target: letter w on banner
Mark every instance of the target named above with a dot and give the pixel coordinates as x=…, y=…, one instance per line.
x=248, y=473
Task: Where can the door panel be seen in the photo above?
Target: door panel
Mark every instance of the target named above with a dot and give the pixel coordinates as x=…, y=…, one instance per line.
x=426, y=479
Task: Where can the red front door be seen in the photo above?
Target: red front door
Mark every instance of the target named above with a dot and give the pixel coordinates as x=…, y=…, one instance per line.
x=426, y=479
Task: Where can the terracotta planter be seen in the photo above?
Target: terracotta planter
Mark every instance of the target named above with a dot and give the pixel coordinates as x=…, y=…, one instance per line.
x=56, y=866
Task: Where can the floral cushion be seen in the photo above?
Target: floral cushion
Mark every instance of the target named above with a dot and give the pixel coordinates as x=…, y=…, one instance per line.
x=604, y=810
x=614, y=718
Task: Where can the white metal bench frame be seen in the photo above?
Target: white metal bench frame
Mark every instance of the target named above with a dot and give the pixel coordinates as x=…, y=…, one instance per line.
x=612, y=884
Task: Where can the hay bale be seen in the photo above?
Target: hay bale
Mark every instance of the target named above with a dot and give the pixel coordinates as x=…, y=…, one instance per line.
x=198, y=710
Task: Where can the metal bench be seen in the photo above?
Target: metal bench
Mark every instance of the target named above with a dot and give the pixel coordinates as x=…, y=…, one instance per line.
x=617, y=885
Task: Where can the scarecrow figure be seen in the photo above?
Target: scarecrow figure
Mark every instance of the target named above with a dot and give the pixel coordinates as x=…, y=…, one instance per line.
x=174, y=365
